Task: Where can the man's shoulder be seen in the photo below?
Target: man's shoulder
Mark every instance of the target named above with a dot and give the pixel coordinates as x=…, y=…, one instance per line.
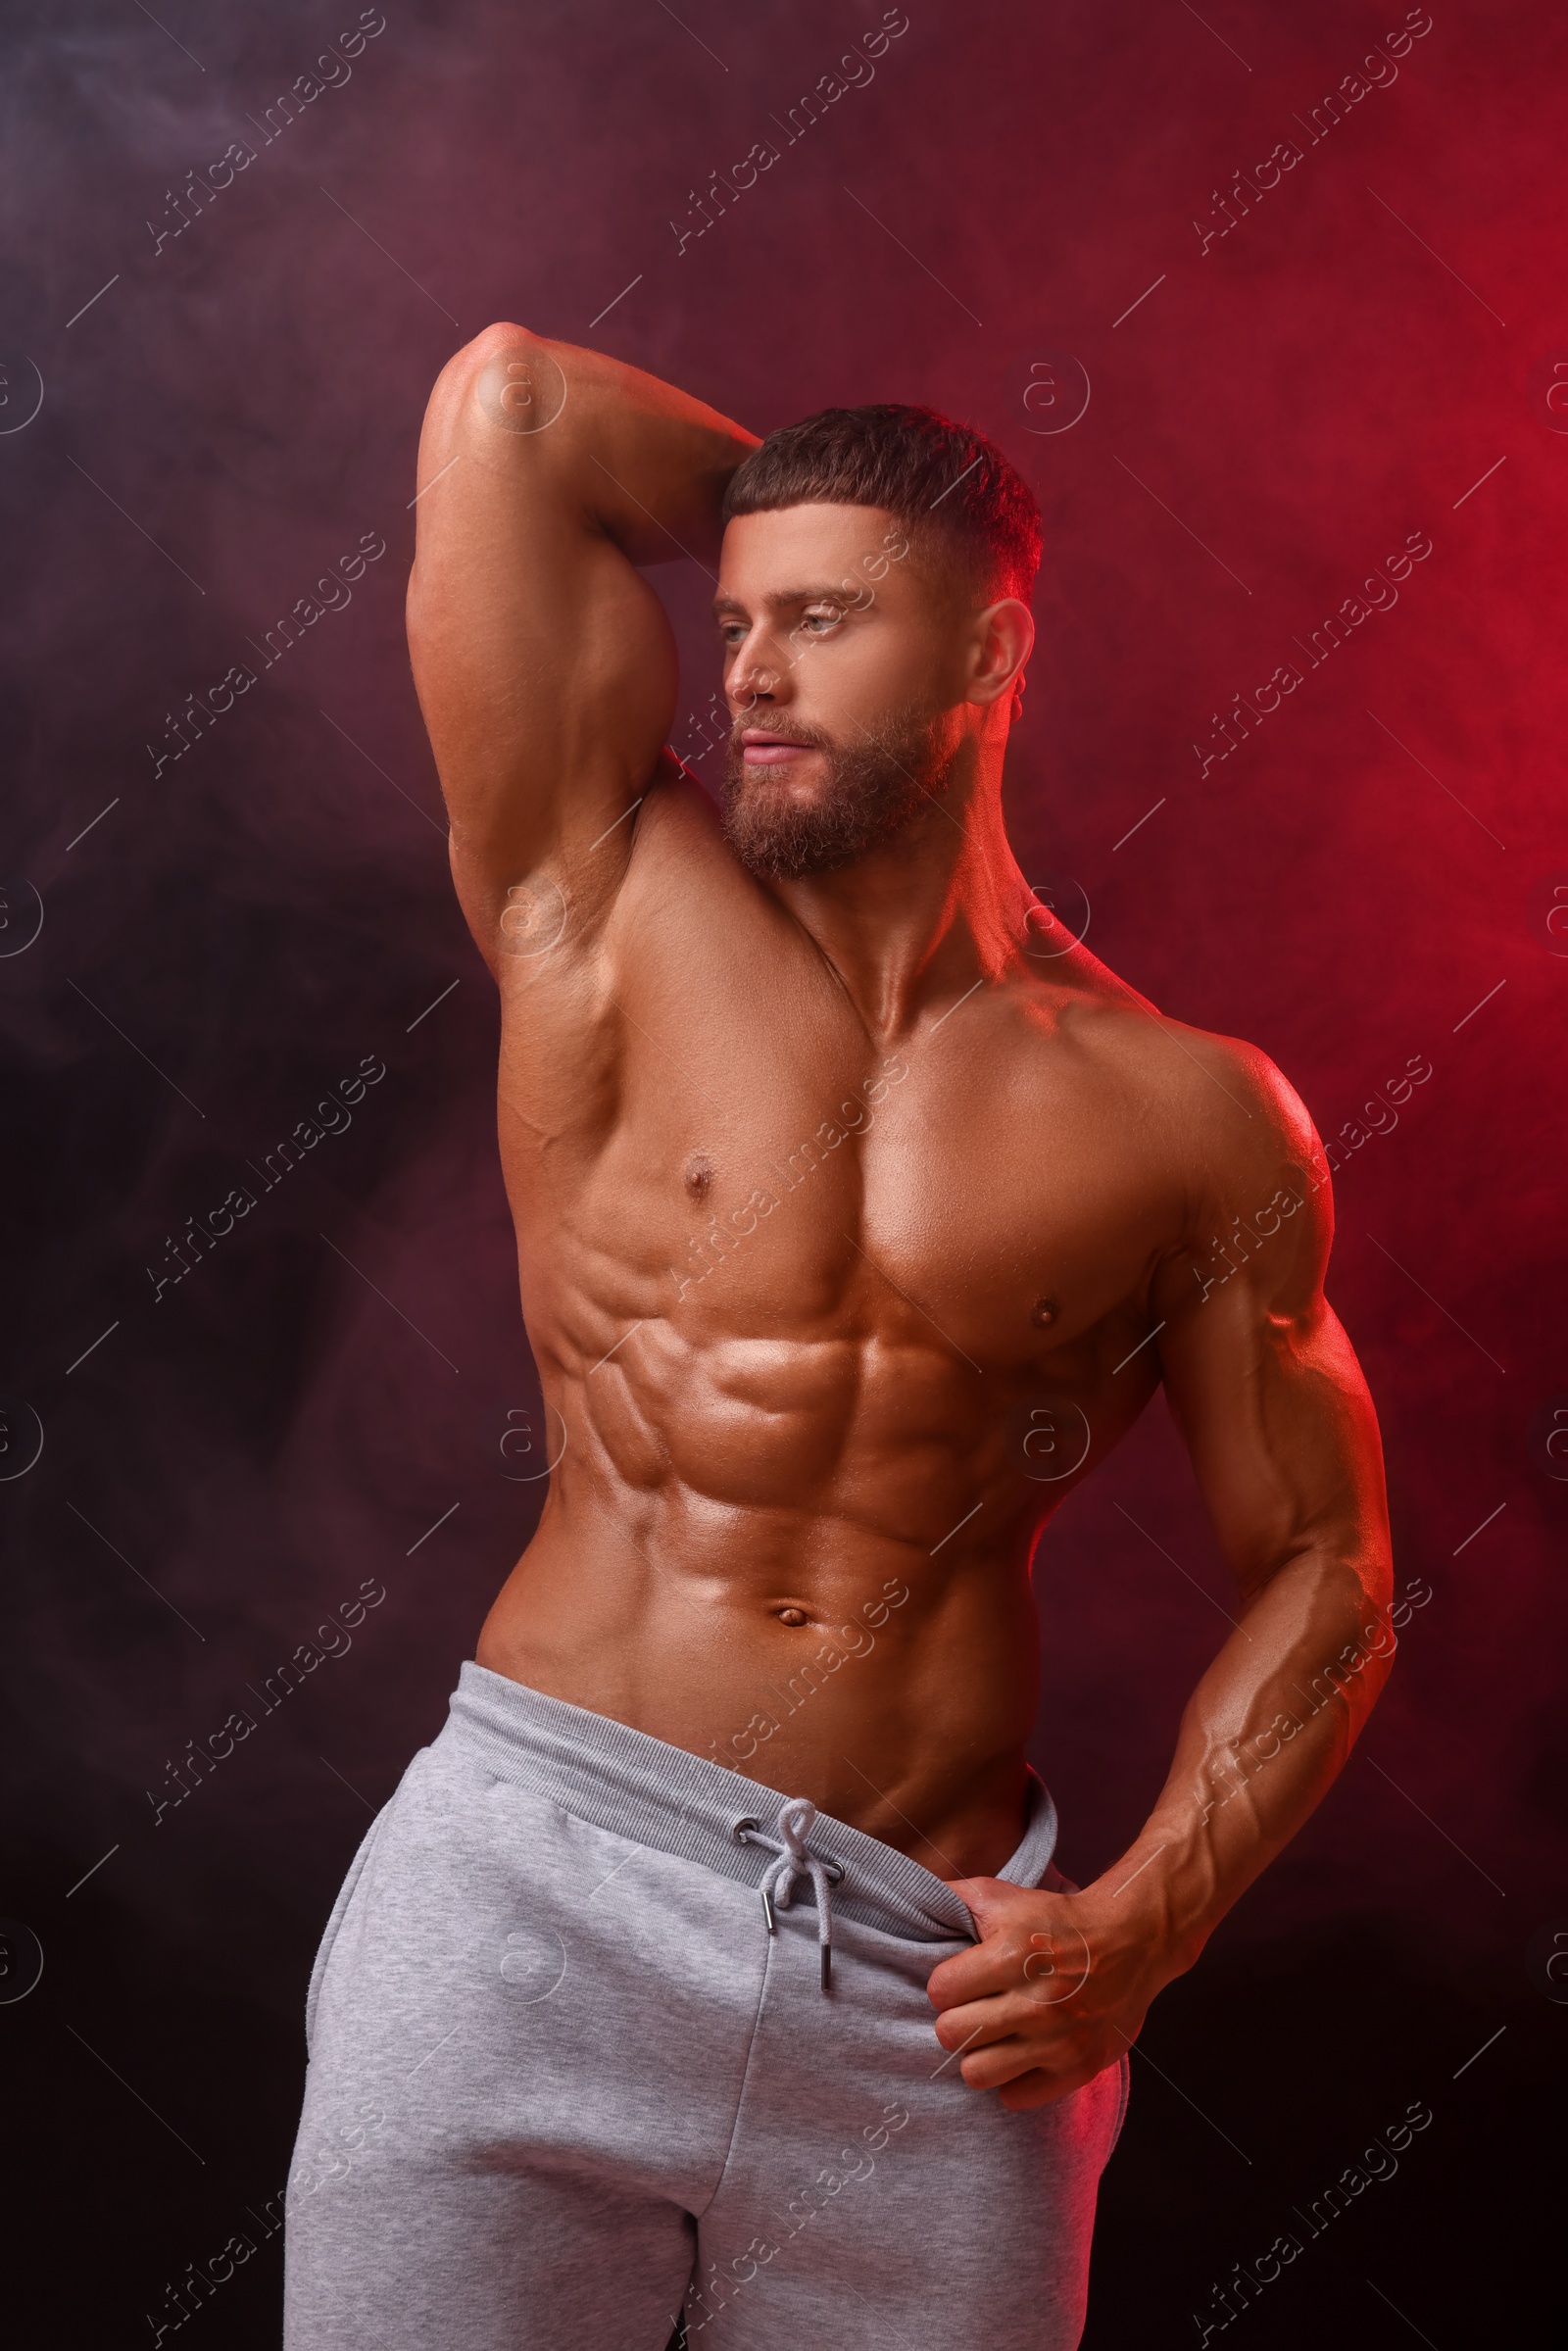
x=1221, y=1099
x=1219, y=1081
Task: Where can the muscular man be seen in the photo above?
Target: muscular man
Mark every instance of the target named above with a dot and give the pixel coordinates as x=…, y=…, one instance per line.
x=859, y=1212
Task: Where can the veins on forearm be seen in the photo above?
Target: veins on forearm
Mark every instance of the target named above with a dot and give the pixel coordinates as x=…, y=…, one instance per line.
x=1230, y=1806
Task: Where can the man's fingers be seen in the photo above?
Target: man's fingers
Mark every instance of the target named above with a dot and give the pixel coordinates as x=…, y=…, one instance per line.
x=973, y=1975
x=991, y=2067
x=1012, y=2067
x=996, y=1965
x=1003, y=2016
x=1023, y=1933
x=976, y=1892
x=1050, y=1965
x=1007, y=2058
x=973, y=2025
x=990, y=1900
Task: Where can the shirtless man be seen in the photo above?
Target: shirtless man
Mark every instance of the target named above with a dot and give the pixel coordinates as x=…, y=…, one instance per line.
x=859, y=1212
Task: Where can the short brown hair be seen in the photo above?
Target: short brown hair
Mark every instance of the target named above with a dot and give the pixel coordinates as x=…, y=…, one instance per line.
x=951, y=487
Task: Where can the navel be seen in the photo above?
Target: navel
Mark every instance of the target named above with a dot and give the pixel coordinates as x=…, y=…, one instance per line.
x=792, y=1616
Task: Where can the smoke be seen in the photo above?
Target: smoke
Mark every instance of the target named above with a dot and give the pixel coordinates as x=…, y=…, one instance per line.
x=232, y=834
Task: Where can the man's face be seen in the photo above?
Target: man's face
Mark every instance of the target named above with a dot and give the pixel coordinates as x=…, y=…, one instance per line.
x=843, y=667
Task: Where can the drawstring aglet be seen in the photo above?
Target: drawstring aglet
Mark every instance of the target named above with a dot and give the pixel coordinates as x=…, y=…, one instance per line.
x=794, y=1859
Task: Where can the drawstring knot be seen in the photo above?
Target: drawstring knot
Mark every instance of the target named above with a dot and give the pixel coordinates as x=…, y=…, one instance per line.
x=794, y=1859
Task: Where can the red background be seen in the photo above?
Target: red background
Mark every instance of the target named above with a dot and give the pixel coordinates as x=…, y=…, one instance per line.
x=1367, y=879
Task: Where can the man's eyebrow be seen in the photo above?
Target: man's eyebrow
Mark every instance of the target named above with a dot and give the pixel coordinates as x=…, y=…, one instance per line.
x=833, y=592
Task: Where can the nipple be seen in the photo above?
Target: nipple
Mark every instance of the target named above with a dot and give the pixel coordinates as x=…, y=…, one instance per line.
x=699, y=1176
x=1045, y=1313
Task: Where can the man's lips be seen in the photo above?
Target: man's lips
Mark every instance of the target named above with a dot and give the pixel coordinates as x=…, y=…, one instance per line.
x=760, y=750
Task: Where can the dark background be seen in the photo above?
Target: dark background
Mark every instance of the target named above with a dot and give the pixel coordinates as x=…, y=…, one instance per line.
x=225, y=936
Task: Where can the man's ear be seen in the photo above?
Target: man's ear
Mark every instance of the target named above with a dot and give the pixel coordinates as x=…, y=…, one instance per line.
x=1005, y=635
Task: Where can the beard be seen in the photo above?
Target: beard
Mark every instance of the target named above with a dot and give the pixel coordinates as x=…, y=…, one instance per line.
x=874, y=795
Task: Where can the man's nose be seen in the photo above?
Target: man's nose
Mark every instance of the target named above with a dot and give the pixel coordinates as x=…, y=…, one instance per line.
x=757, y=675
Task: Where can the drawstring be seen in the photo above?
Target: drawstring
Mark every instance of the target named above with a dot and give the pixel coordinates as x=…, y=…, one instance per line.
x=794, y=1859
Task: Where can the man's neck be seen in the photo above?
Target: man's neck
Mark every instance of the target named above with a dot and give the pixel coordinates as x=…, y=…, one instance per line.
x=936, y=909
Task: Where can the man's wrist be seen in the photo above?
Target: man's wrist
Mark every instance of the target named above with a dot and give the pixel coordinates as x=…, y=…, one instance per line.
x=1149, y=1903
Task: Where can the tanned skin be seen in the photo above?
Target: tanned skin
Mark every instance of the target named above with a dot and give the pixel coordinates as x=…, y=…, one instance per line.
x=884, y=1380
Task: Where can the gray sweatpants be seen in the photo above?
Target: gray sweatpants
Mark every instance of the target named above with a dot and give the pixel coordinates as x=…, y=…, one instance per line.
x=567, y=2082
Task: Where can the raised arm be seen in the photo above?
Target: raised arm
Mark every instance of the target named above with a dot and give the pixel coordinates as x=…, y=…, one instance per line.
x=545, y=665
x=1275, y=1416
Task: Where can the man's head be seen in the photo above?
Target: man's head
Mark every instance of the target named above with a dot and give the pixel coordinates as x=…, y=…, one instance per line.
x=873, y=600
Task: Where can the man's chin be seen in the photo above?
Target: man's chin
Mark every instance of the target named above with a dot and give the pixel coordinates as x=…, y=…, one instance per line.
x=784, y=824
x=774, y=799
x=790, y=837
x=771, y=857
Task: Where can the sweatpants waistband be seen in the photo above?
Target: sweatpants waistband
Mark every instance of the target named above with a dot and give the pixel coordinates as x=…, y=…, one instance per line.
x=660, y=1796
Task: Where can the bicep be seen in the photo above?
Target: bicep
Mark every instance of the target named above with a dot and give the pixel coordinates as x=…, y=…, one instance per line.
x=544, y=662
x=1262, y=1379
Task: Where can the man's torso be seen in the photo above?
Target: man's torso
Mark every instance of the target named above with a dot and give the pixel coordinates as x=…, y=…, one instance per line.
x=825, y=1324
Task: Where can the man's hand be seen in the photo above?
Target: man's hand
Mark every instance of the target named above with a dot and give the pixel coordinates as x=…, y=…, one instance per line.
x=1056, y=1991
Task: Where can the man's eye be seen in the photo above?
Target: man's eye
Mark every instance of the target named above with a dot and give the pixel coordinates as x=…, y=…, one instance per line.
x=820, y=621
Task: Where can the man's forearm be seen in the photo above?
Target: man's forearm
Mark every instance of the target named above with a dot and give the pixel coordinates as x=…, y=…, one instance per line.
x=1262, y=1738
x=644, y=461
